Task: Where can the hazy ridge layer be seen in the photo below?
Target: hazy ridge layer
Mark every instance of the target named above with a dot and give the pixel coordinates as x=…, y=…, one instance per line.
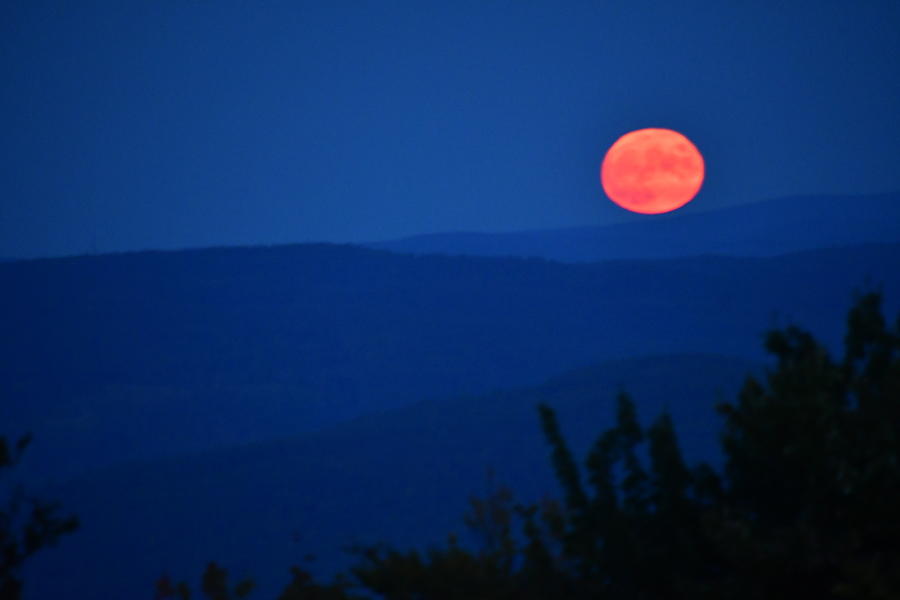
x=402, y=476
x=758, y=229
x=122, y=357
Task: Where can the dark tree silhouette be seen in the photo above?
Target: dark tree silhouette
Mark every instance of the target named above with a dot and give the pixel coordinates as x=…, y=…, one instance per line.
x=27, y=524
x=807, y=505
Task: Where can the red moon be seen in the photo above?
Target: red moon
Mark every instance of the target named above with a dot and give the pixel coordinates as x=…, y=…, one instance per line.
x=652, y=171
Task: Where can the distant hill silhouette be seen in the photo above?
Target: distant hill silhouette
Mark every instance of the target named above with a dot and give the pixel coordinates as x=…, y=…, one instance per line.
x=120, y=357
x=402, y=476
x=760, y=229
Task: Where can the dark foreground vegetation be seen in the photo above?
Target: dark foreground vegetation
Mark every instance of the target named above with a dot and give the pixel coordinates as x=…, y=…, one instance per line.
x=27, y=523
x=805, y=505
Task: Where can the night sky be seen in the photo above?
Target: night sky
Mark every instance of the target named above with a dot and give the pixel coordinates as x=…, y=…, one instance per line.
x=185, y=123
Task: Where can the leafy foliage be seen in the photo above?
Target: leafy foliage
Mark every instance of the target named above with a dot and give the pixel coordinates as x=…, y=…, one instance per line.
x=813, y=477
x=27, y=524
x=214, y=585
x=806, y=505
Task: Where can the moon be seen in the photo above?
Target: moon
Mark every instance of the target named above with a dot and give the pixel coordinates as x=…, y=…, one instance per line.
x=652, y=171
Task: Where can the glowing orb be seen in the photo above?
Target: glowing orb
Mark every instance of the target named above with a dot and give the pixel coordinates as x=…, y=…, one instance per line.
x=652, y=171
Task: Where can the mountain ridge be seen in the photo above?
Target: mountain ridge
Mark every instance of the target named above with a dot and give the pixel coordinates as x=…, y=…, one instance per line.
x=228, y=346
x=768, y=228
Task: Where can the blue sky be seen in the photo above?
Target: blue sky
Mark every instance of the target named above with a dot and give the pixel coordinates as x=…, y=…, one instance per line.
x=170, y=124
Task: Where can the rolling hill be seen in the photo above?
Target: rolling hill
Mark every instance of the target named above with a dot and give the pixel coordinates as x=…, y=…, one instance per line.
x=759, y=229
x=122, y=357
x=403, y=476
